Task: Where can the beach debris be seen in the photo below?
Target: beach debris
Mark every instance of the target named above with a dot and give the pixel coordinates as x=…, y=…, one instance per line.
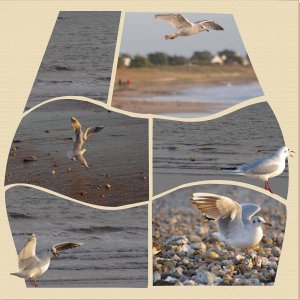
x=108, y=186
x=185, y=27
x=53, y=172
x=29, y=158
x=47, y=130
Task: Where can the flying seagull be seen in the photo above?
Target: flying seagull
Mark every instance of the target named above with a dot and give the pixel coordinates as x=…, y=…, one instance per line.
x=79, y=140
x=237, y=224
x=265, y=168
x=185, y=27
x=31, y=266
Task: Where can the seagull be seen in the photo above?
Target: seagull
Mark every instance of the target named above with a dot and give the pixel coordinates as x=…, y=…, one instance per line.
x=265, y=168
x=237, y=224
x=79, y=140
x=185, y=27
x=30, y=266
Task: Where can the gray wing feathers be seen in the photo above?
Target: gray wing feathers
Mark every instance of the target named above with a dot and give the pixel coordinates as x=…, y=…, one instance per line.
x=260, y=167
x=65, y=246
x=176, y=20
x=211, y=25
x=91, y=130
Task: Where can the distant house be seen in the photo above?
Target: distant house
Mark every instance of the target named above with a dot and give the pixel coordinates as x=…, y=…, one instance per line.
x=126, y=61
x=217, y=60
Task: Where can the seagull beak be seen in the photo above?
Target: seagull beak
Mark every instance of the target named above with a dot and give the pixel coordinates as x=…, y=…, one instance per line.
x=266, y=223
x=291, y=151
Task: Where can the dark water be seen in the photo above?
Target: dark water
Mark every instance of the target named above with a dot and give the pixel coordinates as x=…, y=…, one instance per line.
x=115, y=250
x=192, y=151
x=79, y=57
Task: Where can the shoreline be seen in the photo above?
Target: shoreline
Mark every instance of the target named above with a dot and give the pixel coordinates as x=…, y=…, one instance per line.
x=163, y=107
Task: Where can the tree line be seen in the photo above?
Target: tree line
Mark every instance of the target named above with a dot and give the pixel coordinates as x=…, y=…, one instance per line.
x=162, y=59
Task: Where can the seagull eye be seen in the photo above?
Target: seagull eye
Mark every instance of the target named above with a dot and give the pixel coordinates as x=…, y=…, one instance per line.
x=254, y=221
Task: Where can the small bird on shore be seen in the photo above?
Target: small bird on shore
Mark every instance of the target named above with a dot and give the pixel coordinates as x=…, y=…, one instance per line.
x=79, y=140
x=185, y=27
x=237, y=224
x=31, y=266
x=264, y=168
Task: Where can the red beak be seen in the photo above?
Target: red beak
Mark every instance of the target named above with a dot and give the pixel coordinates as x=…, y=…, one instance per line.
x=291, y=151
x=269, y=224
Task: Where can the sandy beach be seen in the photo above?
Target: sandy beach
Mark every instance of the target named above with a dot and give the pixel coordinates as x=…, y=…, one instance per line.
x=147, y=83
x=117, y=156
x=192, y=151
x=185, y=253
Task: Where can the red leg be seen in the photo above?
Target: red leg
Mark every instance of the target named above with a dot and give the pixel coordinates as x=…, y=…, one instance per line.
x=266, y=187
x=269, y=188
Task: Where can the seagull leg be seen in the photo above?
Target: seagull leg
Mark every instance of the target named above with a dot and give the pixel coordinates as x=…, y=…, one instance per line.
x=269, y=188
x=32, y=281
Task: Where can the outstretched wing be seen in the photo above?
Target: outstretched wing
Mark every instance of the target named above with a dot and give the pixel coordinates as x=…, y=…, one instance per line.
x=209, y=25
x=75, y=124
x=176, y=20
x=224, y=210
x=27, y=252
x=65, y=246
x=248, y=211
x=91, y=130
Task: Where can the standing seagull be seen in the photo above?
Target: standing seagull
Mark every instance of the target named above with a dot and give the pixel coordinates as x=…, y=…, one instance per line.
x=185, y=27
x=80, y=139
x=237, y=224
x=30, y=266
x=265, y=168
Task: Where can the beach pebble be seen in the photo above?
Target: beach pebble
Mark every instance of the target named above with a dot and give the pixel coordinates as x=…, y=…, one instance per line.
x=108, y=186
x=276, y=251
x=177, y=240
x=29, y=158
x=156, y=276
x=213, y=255
x=207, y=278
x=53, y=172
x=189, y=282
x=201, y=247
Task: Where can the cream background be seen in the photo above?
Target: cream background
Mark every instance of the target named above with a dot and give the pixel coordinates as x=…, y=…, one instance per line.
x=269, y=31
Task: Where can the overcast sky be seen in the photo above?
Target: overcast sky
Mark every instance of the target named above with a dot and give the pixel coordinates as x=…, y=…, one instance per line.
x=143, y=34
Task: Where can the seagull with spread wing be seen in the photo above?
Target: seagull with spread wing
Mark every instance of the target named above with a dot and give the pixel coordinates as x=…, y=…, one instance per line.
x=237, y=224
x=79, y=140
x=31, y=266
x=185, y=27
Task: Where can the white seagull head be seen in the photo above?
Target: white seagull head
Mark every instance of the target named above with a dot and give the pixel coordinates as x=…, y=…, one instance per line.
x=257, y=221
x=284, y=152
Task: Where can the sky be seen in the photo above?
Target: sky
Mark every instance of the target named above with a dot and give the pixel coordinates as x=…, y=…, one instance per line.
x=143, y=34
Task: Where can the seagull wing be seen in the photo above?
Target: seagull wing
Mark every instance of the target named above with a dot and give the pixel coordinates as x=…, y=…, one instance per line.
x=65, y=246
x=260, y=167
x=226, y=212
x=76, y=125
x=91, y=130
x=248, y=211
x=27, y=253
x=210, y=25
x=176, y=20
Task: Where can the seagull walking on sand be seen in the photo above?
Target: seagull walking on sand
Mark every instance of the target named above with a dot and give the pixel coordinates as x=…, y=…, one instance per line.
x=185, y=27
x=79, y=139
x=237, y=224
x=265, y=168
x=31, y=266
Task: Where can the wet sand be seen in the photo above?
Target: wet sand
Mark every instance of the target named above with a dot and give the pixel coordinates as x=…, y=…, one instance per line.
x=115, y=250
x=162, y=81
x=189, y=255
x=163, y=107
x=117, y=156
x=192, y=151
